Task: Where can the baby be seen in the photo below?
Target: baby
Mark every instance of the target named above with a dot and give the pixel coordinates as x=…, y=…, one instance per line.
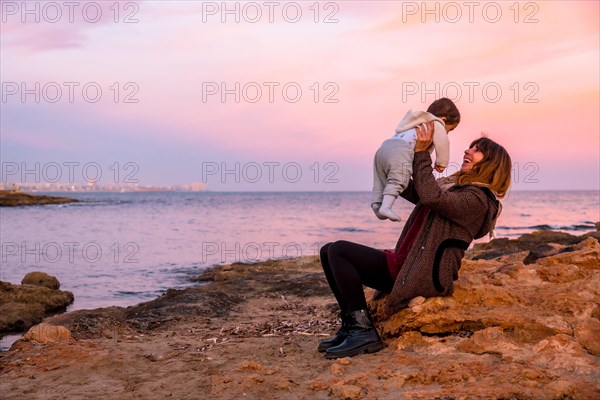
x=392, y=167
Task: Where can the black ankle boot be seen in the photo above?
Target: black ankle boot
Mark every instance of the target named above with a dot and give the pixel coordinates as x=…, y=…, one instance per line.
x=362, y=338
x=341, y=334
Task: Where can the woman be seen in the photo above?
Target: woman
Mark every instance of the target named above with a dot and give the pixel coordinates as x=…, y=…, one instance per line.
x=427, y=257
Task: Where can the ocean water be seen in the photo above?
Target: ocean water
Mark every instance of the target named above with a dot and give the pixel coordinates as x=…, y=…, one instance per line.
x=124, y=248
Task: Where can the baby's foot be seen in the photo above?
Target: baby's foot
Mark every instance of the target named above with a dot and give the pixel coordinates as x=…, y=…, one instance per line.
x=375, y=207
x=389, y=214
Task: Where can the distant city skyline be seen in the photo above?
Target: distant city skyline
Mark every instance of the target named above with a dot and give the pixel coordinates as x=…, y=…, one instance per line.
x=90, y=187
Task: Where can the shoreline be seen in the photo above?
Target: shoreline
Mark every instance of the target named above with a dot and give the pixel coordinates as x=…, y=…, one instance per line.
x=515, y=329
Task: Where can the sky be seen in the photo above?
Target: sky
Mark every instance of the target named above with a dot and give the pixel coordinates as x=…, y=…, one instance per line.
x=291, y=96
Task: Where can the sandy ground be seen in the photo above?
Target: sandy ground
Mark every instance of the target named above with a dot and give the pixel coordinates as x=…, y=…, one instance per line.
x=251, y=332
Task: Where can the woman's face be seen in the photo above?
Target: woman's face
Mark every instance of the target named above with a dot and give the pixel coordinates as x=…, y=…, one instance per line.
x=472, y=156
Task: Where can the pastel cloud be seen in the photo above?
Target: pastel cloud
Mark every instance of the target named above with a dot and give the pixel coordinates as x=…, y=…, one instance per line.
x=39, y=26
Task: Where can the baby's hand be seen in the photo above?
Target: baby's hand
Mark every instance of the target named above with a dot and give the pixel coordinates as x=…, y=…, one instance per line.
x=439, y=168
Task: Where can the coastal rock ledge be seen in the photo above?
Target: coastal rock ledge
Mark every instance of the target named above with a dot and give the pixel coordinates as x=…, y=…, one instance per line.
x=22, y=306
x=512, y=330
x=14, y=199
x=536, y=324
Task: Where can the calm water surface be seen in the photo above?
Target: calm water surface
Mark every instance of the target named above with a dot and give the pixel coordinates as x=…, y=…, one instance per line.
x=123, y=248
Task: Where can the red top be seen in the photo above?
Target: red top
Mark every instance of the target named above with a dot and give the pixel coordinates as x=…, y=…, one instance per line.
x=396, y=259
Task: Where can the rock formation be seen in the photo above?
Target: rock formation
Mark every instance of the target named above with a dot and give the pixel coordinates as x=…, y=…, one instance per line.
x=22, y=306
x=13, y=199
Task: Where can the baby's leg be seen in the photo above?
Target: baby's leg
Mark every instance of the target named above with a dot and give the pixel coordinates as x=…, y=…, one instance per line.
x=386, y=208
x=379, y=178
x=375, y=207
x=400, y=170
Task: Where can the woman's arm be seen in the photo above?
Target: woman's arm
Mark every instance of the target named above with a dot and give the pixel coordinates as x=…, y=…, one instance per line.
x=423, y=142
x=457, y=206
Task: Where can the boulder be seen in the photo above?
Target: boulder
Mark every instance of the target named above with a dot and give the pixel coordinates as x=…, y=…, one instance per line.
x=45, y=333
x=346, y=392
x=22, y=306
x=41, y=279
x=588, y=334
x=541, y=251
x=14, y=199
x=538, y=239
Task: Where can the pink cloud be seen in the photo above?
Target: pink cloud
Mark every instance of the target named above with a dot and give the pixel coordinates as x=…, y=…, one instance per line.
x=35, y=38
x=42, y=26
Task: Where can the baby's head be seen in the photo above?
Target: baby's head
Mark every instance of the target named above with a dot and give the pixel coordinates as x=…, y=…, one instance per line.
x=446, y=110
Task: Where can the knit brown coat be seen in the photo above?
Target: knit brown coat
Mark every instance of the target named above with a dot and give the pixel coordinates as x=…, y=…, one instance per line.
x=456, y=217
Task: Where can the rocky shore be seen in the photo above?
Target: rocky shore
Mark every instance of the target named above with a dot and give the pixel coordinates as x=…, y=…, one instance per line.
x=523, y=323
x=13, y=199
x=25, y=305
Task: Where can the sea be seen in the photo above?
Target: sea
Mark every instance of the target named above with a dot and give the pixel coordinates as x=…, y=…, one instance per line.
x=120, y=249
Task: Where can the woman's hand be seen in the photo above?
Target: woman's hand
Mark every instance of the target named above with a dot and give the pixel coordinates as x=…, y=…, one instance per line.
x=424, y=136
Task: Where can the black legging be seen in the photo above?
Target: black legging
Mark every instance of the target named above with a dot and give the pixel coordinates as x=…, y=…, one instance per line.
x=348, y=266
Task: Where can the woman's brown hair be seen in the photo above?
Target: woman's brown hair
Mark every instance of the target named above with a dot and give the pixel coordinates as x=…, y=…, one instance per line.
x=493, y=171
